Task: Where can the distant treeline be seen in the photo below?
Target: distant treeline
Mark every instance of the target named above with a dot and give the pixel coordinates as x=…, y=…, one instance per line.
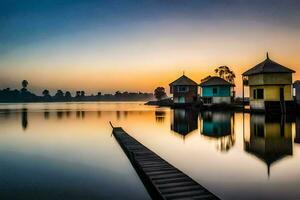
x=24, y=95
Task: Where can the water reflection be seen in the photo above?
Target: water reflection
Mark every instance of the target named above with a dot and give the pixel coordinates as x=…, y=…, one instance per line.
x=80, y=114
x=59, y=114
x=68, y=113
x=184, y=121
x=118, y=113
x=63, y=114
x=270, y=138
x=24, y=118
x=46, y=114
x=219, y=126
x=56, y=159
x=59, y=145
x=5, y=113
x=125, y=114
x=297, y=135
x=160, y=116
x=99, y=113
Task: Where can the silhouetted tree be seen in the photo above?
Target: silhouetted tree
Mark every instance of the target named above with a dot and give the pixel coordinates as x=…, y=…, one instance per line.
x=59, y=94
x=118, y=94
x=25, y=84
x=125, y=94
x=46, y=93
x=25, y=95
x=225, y=73
x=68, y=95
x=160, y=93
x=77, y=94
x=8, y=95
x=24, y=87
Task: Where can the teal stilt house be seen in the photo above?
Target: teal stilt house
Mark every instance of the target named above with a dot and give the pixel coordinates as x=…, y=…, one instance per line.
x=215, y=90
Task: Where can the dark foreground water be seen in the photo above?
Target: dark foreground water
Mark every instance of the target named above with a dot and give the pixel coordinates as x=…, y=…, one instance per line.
x=66, y=151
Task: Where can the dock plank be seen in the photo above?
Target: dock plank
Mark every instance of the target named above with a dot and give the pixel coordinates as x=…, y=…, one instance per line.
x=161, y=179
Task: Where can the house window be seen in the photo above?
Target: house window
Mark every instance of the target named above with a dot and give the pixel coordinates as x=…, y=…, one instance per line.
x=258, y=93
x=183, y=89
x=215, y=90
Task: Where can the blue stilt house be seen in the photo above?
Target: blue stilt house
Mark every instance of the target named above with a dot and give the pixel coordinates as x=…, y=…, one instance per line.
x=215, y=90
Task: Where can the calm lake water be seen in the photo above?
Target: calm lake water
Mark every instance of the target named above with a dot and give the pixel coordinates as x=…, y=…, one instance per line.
x=66, y=151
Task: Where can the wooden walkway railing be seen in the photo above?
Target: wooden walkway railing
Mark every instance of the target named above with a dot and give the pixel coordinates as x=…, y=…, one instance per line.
x=161, y=179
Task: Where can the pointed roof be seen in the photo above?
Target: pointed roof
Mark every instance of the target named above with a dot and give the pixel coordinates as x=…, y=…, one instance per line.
x=268, y=66
x=265, y=151
x=183, y=80
x=215, y=81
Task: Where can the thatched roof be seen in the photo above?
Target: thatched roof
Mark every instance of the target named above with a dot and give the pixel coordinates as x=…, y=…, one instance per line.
x=268, y=66
x=215, y=81
x=183, y=80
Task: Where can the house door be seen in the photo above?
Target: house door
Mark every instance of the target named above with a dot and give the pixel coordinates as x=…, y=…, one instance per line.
x=281, y=94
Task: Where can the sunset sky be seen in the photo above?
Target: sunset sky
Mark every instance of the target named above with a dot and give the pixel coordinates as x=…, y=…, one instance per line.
x=137, y=45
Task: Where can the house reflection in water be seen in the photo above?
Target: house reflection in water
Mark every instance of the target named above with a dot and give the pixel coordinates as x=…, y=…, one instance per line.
x=270, y=138
x=160, y=116
x=218, y=126
x=297, y=136
x=184, y=121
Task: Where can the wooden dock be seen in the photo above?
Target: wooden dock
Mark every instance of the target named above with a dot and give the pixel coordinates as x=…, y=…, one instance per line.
x=161, y=179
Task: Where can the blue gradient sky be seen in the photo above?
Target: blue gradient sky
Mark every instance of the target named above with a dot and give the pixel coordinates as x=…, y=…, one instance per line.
x=138, y=45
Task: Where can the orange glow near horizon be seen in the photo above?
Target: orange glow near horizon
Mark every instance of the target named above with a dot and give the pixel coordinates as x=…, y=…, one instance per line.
x=147, y=80
x=141, y=61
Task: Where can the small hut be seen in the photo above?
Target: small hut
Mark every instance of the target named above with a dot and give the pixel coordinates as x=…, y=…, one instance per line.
x=184, y=90
x=270, y=86
x=215, y=90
